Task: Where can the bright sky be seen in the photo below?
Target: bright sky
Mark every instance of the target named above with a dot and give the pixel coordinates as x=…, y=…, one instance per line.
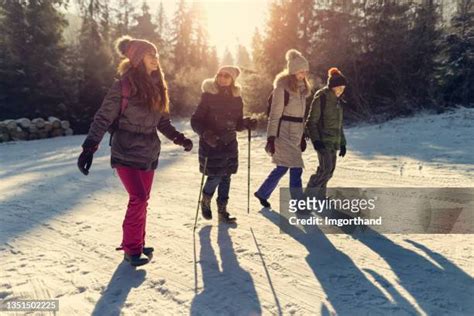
x=229, y=21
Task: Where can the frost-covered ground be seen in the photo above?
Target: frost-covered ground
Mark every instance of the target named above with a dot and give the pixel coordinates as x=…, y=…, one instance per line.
x=58, y=232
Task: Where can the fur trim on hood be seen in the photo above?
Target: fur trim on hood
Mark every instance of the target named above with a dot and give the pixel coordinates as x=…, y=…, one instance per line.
x=209, y=86
x=283, y=80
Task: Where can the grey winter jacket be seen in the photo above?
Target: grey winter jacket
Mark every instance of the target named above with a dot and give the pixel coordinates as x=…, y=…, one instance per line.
x=288, y=133
x=135, y=143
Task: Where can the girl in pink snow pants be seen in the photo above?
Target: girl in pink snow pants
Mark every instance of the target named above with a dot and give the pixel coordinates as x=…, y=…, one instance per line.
x=134, y=109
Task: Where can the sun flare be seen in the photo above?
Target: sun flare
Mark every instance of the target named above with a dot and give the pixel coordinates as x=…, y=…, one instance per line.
x=233, y=22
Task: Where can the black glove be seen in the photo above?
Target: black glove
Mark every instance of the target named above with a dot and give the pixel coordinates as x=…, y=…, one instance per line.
x=342, y=151
x=249, y=123
x=318, y=145
x=303, y=144
x=84, y=162
x=183, y=141
x=210, y=138
x=270, y=146
x=187, y=144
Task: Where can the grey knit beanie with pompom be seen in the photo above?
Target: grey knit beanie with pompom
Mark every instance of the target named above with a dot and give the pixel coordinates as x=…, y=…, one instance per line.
x=296, y=61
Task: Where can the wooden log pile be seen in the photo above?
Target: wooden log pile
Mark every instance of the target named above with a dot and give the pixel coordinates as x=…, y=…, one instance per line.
x=38, y=128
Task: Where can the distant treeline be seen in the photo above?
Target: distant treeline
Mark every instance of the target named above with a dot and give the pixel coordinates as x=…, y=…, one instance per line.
x=399, y=56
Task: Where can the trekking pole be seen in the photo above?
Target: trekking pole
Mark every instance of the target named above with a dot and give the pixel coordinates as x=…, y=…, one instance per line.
x=248, y=173
x=200, y=193
x=195, y=223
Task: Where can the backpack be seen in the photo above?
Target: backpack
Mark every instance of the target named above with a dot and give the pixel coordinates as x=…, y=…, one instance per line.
x=270, y=99
x=125, y=89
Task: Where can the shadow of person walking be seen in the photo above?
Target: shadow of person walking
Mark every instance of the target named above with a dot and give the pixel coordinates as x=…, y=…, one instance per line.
x=230, y=291
x=114, y=296
x=347, y=288
x=438, y=286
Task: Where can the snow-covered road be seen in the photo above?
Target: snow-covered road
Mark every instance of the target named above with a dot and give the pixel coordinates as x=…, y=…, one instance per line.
x=58, y=232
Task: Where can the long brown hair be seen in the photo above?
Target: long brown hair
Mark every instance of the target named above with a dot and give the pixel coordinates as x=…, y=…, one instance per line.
x=154, y=95
x=292, y=81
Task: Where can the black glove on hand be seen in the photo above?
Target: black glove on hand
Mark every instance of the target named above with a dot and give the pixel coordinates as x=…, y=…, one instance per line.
x=181, y=140
x=270, y=146
x=187, y=144
x=249, y=123
x=210, y=138
x=303, y=144
x=342, y=151
x=318, y=145
x=84, y=162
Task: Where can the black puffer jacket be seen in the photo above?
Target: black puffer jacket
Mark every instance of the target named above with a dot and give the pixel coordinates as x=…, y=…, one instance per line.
x=222, y=114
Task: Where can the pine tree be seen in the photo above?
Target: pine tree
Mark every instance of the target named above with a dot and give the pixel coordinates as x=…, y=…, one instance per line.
x=457, y=76
x=199, y=41
x=227, y=58
x=243, y=57
x=14, y=51
x=33, y=57
x=181, y=37
x=96, y=67
x=281, y=35
x=257, y=51
x=378, y=56
x=306, y=17
x=144, y=27
x=213, y=61
x=106, y=24
x=161, y=20
x=45, y=26
x=124, y=17
x=424, y=48
x=163, y=32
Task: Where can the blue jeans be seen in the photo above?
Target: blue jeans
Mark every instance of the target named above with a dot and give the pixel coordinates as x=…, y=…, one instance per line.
x=270, y=183
x=223, y=182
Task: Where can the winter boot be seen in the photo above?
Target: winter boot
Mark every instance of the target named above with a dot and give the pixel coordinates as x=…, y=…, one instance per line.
x=263, y=201
x=135, y=260
x=224, y=216
x=148, y=251
x=206, y=206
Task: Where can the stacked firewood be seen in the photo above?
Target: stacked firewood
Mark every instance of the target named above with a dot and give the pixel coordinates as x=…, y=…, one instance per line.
x=38, y=128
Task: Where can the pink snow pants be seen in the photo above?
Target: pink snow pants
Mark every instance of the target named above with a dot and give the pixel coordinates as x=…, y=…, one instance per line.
x=138, y=185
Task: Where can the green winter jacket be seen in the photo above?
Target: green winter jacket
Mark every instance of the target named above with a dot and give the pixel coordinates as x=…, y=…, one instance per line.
x=326, y=124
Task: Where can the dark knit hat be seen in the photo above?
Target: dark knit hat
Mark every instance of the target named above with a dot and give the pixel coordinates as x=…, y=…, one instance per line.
x=336, y=78
x=134, y=49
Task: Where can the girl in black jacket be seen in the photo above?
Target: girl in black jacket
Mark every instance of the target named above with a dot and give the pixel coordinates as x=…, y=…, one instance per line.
x=217, y=118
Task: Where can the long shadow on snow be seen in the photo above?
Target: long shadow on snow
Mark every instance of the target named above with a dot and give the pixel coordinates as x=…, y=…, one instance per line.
x=347, y=288
x=115, y=295
x=60, y=193
x=227, y=292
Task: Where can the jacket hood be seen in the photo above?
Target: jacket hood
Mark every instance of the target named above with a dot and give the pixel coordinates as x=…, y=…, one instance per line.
x=283, y=80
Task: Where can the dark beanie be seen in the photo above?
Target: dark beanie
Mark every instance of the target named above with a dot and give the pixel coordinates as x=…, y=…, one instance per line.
x=134, y=49
x=336, y=78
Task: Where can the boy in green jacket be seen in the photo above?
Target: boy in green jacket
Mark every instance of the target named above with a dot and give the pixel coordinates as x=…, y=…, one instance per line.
x=324, y=127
